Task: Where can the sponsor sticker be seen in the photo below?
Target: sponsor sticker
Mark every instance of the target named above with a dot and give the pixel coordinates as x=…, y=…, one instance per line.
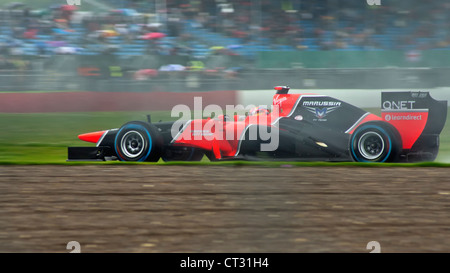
x=399, y=117
x=398, y=105
x=321, y=109
x=279, y=101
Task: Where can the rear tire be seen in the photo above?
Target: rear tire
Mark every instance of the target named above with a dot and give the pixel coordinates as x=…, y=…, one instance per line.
x=138, y=141
x=375, y=142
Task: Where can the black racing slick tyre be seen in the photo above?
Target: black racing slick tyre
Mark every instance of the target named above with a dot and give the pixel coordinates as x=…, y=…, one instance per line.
x=375, y=142
x=138, y=141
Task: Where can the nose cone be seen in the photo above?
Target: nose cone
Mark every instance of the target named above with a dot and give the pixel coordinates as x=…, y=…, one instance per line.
x=93, y=137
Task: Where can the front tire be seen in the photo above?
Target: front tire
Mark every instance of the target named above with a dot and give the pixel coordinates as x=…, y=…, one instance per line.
x=375, y=142
x=138, y=141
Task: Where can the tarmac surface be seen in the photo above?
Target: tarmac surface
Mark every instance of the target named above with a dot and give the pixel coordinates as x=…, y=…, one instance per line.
x=144, y=208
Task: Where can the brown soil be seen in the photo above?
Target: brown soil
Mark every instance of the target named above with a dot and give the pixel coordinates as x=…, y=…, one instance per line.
x=223, y=209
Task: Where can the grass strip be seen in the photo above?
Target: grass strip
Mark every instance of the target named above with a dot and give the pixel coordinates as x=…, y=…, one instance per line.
x=274, y=164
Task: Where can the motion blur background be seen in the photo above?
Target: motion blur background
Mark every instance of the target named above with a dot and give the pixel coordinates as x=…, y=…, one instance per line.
x=207, y=45
x=67, y=70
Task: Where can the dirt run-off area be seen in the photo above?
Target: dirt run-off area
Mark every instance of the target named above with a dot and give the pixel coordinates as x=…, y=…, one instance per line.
x=157, y=208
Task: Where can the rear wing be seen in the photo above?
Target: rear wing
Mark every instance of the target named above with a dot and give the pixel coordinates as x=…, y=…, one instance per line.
x=416, y=115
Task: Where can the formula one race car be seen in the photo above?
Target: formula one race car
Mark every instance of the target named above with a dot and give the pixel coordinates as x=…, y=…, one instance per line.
x=304, y=127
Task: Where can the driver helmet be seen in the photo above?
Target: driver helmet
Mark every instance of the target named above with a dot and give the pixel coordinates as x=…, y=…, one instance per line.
x=256, y=111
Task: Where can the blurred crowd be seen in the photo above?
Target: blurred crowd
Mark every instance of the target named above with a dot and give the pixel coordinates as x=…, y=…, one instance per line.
x=183, y=27
x=322, y=24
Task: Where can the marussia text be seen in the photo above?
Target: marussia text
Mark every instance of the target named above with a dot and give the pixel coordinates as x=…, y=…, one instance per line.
x=227, y=262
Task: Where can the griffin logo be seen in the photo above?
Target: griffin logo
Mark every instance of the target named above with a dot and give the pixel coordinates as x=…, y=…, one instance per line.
x=321, y=113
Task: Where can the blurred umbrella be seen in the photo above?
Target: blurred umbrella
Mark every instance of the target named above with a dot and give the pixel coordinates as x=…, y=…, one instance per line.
x=30, y=34
x=69, y=7
x=121, y=29
x=150, y=72
x=60, y=31
x=217, y=48
x=234, y=46
x=153, y=35
x=172, y=67
x=145, y=74
x=108, y=33
x=67, y=50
